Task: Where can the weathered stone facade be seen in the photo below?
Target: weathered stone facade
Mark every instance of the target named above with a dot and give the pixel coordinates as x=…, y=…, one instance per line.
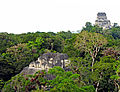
x=102, y=21
x=49, y=60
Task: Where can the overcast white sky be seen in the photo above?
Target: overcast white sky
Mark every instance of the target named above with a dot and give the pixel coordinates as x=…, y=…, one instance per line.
x=21, y=16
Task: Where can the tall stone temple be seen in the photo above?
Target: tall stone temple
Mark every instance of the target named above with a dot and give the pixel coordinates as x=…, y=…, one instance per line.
x=102, y=21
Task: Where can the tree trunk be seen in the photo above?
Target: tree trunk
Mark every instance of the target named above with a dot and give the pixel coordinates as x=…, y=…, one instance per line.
x=93, y=63
x=94, y=55
x=117, y=85
x=51, y=46
x=96, y=90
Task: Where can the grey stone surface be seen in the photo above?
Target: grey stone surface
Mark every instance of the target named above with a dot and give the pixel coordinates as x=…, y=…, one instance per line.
x=102, y=21
x=46, y=61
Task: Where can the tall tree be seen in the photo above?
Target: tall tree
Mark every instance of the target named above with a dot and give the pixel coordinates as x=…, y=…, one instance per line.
x=91, y=43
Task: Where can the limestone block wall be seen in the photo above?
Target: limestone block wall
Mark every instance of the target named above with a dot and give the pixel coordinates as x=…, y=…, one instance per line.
x=49, y=60
x=102, y=21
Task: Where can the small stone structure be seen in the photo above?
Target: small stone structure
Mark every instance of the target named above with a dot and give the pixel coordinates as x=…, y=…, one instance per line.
x=102, y=21
x=49, y=60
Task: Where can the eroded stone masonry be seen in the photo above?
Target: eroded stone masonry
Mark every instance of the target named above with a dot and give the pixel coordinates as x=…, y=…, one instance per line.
x=102, y=21
x=47, y=61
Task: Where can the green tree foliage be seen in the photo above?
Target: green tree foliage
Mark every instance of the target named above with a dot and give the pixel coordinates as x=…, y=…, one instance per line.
x=20, y=56
x=114, y=32
x=92, y=49
x=65, y=35
x=82, y=67
x=6, y=41
x=63, y=80
x=6, y=69
x=26, y=83
x=88, y=27
x=1, y=84
x=116, y=76
x=37, y=46
x=91, y=43
x=66, y=81
x=89, y=88
x=55, y=43
x=102, y=72
x=69, y=48
x=39, y=82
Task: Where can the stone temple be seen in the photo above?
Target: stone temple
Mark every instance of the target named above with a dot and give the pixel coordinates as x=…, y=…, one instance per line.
x=102, y=21
x=47, y=61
